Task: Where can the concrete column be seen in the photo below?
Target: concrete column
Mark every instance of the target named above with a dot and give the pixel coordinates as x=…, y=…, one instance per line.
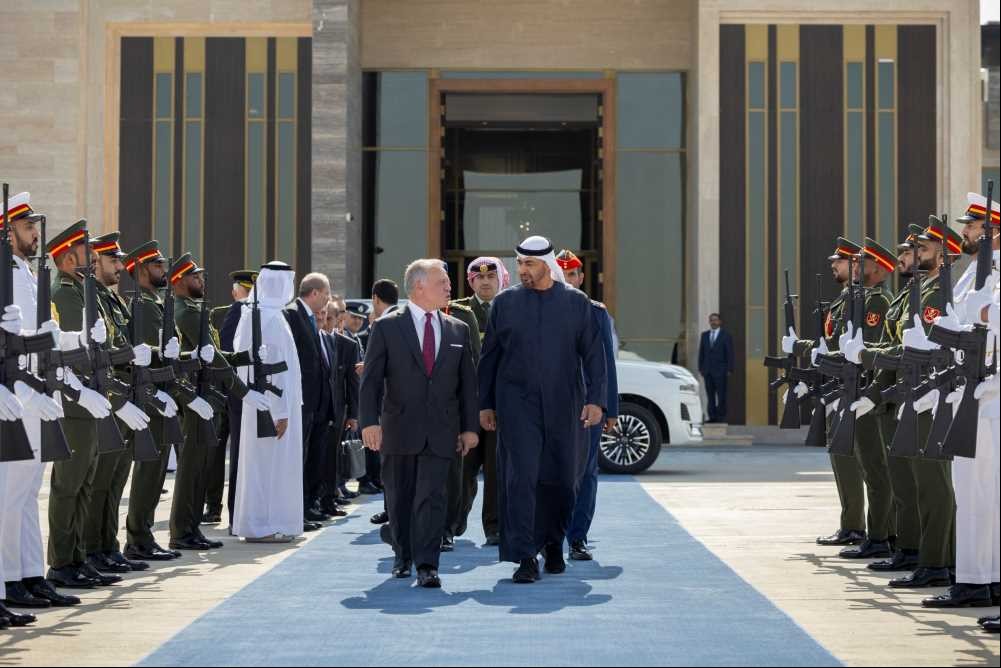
x=336, y=170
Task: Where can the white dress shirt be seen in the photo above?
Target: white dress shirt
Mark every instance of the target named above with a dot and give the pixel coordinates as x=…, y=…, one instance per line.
x=418, y=314
x=316, y=329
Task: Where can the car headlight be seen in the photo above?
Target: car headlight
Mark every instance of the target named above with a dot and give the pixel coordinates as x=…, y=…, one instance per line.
x=688, y=387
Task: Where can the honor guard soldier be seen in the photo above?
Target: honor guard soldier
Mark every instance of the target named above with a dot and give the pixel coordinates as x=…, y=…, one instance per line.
x=215, y=380
x=847, y=472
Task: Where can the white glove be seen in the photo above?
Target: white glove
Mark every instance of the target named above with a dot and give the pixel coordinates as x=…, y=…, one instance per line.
x=202, y=407
x=263, y=352
x=985, y=387
x=170, y=406
x=35, y=404
x=846, y=337
x=11, y=322
x=915, y=337
x=257, y=401
x=956, y=397
x=951, y=320
x=99, y=332
x=969, y=309
x=143, y=355
x=207, y=353
x=833, y=407
x=801, y=390
x=10, y=408
x=927, y=402
x=853, y=347
x=862, y=407
x=94, y=403
x=821, y=349
x=172, y=350
x=789, y=342
x=134, y=418
x=70, y=341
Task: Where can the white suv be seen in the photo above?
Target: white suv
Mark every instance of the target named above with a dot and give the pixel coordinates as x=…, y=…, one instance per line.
x=658, y=403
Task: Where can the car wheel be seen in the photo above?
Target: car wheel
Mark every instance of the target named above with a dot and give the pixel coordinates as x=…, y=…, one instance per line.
x=634, y=445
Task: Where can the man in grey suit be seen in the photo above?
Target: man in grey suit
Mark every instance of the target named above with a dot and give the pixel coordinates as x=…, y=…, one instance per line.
x=419, y=409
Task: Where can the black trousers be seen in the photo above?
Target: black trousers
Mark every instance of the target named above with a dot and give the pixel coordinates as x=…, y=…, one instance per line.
x=314, y=453
x=330, y=478
x=416, y=499
x=235, y=421
x=716, y=390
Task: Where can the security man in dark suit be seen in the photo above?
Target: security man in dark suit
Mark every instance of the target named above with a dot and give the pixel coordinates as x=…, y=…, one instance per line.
x=716, y=363
x=419, y=408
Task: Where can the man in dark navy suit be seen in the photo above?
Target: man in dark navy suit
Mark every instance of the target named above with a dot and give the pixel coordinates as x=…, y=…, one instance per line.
x=716, y=364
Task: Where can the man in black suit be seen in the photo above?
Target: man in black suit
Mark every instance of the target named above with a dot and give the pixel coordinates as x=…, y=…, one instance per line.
x=716, y=363
x=419, y=408
x=226, y=318
x=317, y=399
x=344, y=413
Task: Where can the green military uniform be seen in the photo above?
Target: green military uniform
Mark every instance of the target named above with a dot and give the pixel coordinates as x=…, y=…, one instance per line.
x=484, y=456
x=195, y=456
x=848, y=477
x=454, y=517
x=72, y=480
x=112, y=467
x=148, y=476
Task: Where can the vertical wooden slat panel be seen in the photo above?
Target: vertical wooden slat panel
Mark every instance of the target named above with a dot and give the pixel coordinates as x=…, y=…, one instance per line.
x=773, y=203
x=269, y=217
x=135, y=174
x=225, y=90
x=822, y=188
x=177, y=228
x=732, y=207
x=870, y=132
x=916, y=155
x=304, y=157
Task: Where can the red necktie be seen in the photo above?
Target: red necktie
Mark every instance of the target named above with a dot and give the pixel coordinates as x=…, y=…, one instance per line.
x=428, y=345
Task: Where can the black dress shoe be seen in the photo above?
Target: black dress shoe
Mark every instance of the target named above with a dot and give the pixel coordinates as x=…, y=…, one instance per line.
x=843, y=537
x=102, y=564
x=337, y=512
x=379, y=518
x=119, y=558
x=42, y=589
x=70, y=577
x=992, y=625
x=348, y=494
x=984, y=620
x=212, y=517
x=314, y=515
x=18, y=596
x=188, y=543
x=14, y=619
x=329, y=506
x=528, y=571
x=311, y=526
x=579, y=551
x=427, y=578
x=401, y=569
x=555, y=564
x=961, y=596
x=870, y=549
x=93, y=574
x=368, y=488
x=493, y=539
x=213, y=544
x=903, y=560
x=923, y=578
x=151, y=553
x=447, y=544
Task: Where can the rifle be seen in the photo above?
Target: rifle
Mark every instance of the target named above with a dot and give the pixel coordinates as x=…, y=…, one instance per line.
x=850, y=375
x=790, y=413
x=943, y=362
x=817, y=435
x=54, y=447
x=961, y=439
x=147, y=379
x=206, y=434
x=260, y=383
x=14, y=443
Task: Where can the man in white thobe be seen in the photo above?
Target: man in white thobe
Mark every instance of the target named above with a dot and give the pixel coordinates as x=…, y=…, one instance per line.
x=269, y=504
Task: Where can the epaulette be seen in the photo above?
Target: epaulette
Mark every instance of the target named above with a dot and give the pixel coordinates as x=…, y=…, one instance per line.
x=461, y=307
x=598, y=304
x=64, y=280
